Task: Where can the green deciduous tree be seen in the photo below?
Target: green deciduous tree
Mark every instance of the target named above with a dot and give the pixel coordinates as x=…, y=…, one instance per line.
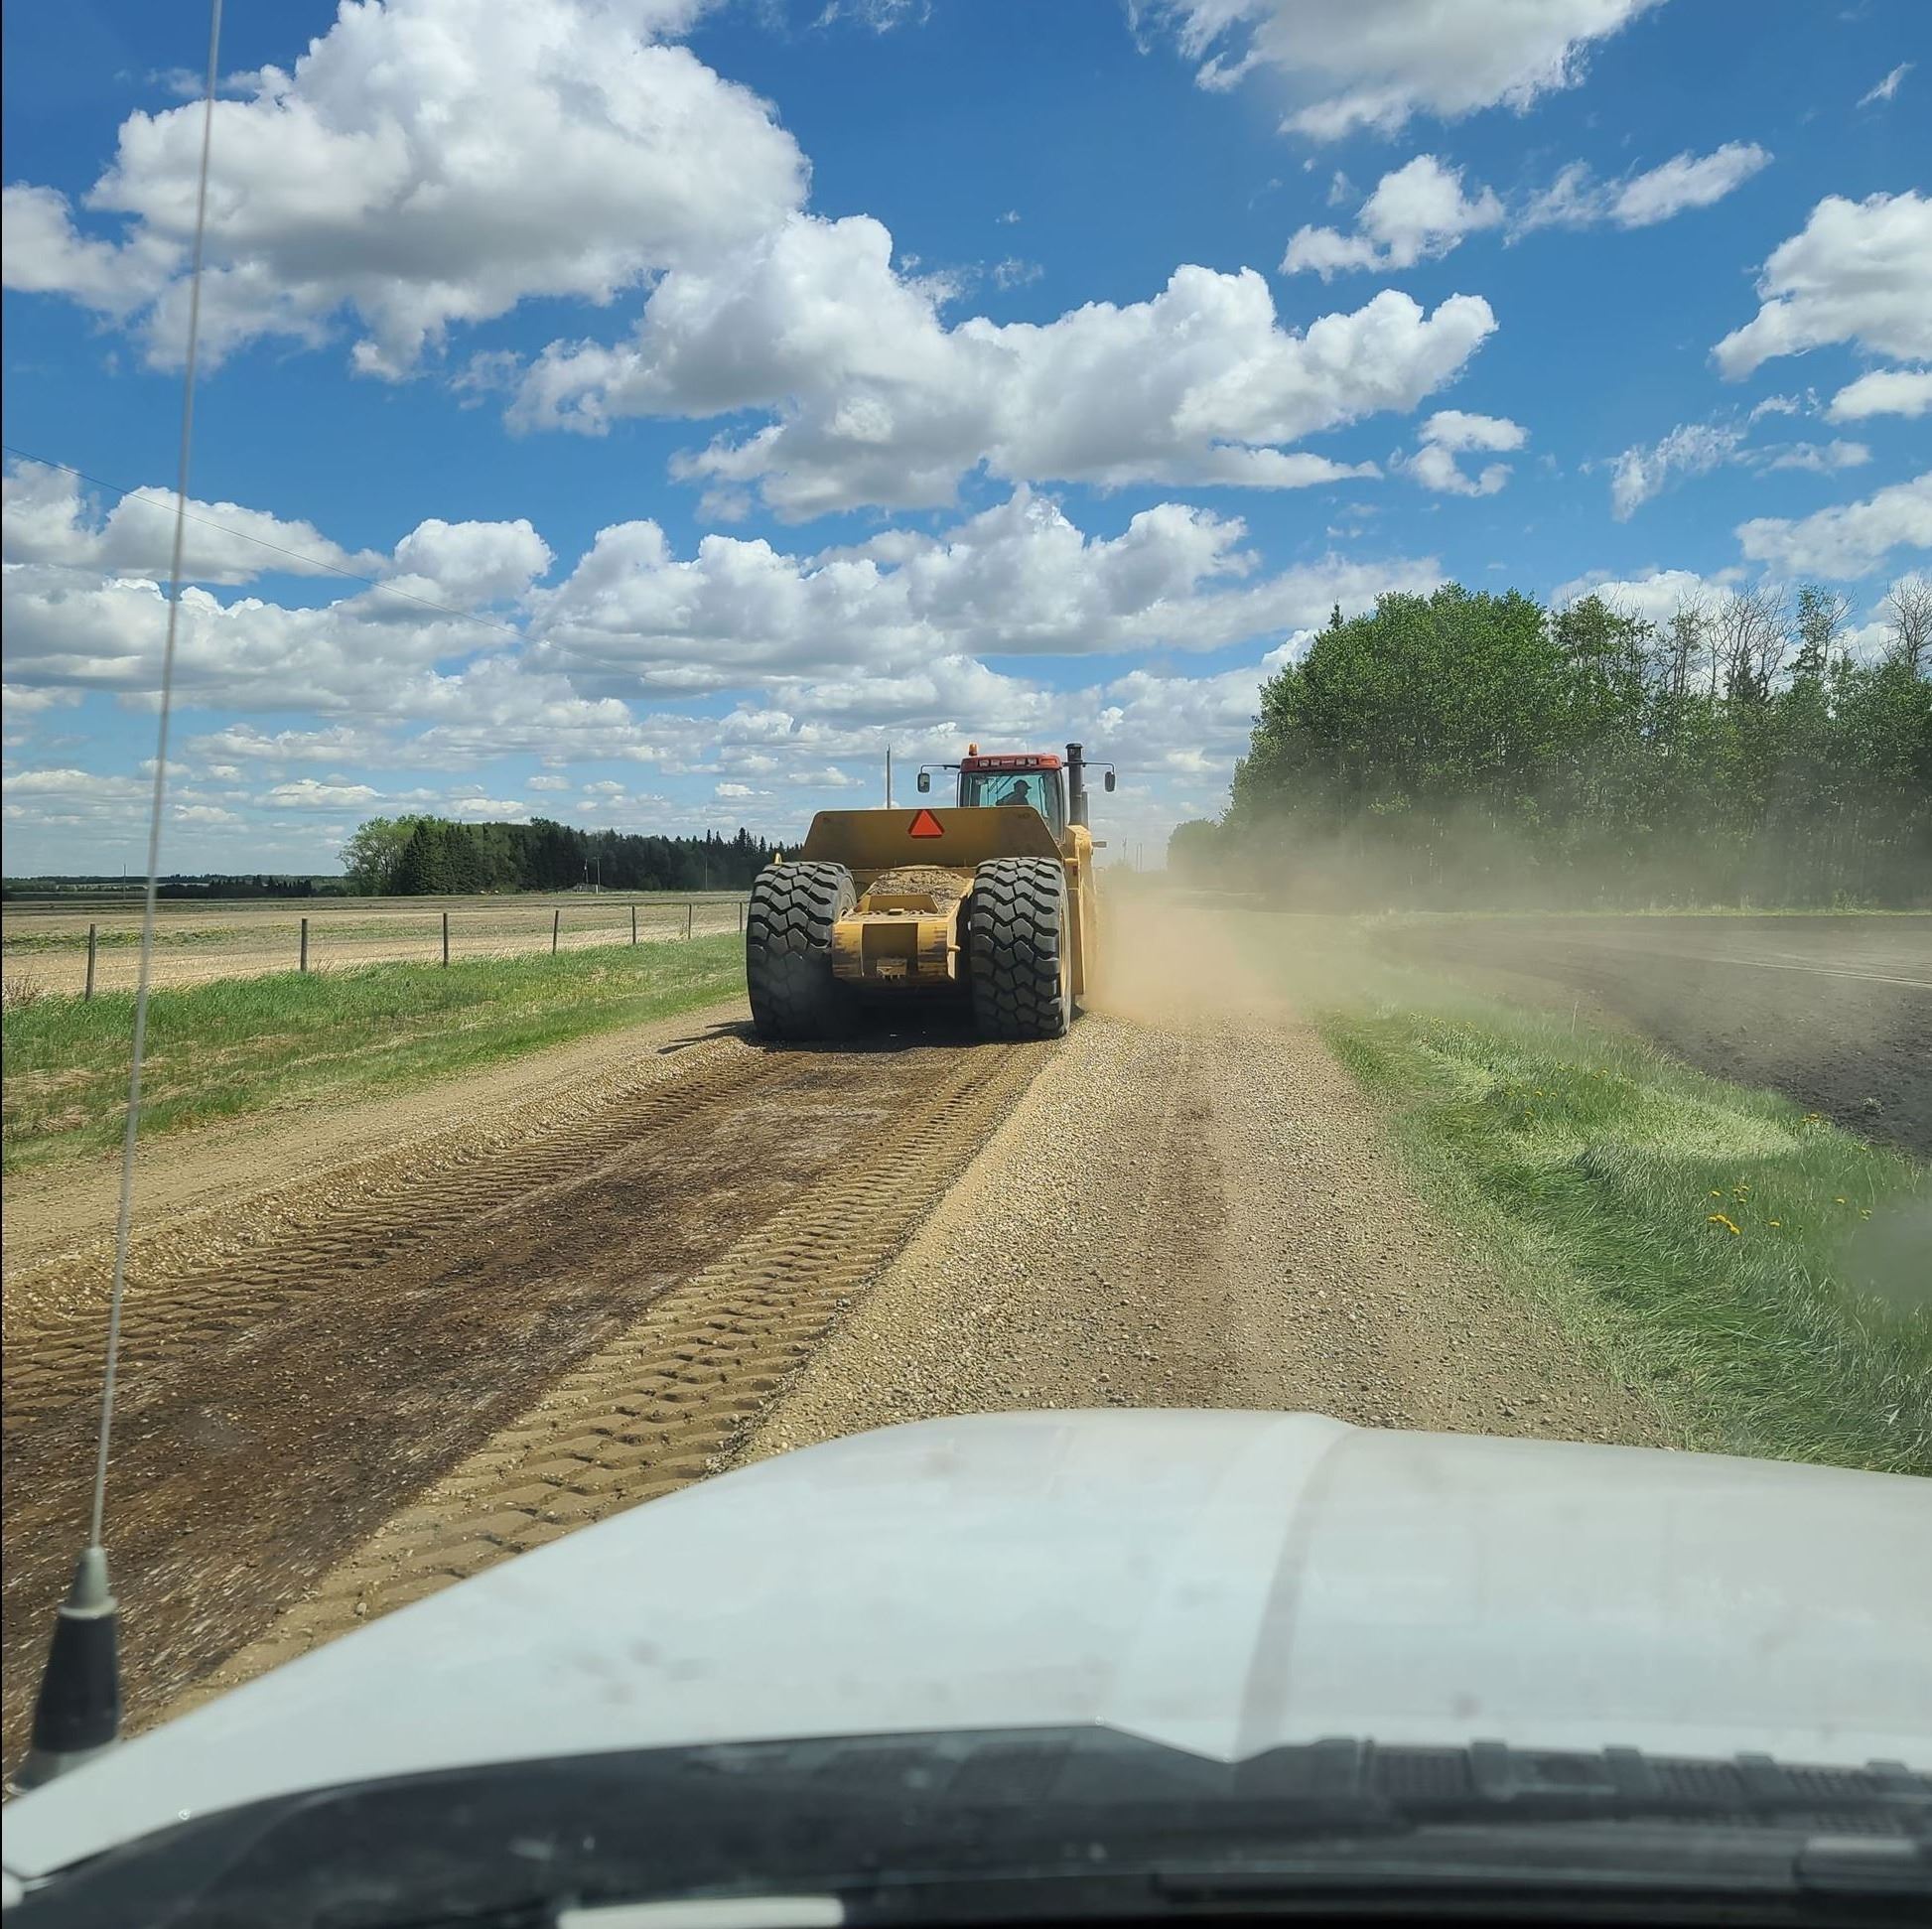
x=430, y=855
x=1464, y=748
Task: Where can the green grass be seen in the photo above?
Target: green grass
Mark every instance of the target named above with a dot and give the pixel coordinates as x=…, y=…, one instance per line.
x=244, y=1046
x=1761, y=1275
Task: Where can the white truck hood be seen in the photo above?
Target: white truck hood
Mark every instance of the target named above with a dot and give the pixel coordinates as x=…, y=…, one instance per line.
x=1221, y=1582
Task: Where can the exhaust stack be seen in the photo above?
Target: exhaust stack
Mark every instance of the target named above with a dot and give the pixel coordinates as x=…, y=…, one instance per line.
x=1076, y=783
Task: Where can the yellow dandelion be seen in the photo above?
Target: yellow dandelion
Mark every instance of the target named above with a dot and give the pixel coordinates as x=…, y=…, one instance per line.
x=1714, y=1193
x=1840, y=1200
x=1773, y=1223
x=1718, y=1219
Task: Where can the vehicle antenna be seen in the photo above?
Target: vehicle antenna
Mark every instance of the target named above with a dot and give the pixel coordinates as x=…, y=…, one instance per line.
x=79, y=1710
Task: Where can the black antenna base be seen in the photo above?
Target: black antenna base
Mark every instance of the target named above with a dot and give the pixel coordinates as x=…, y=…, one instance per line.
x=79, y=1713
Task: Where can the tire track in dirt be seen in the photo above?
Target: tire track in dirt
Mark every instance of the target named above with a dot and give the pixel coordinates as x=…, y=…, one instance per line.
x=275, y=1415
x=50, y=1362
x=669, y=1399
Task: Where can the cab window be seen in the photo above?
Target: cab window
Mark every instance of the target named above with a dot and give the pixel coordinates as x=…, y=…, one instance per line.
x=1039, y=789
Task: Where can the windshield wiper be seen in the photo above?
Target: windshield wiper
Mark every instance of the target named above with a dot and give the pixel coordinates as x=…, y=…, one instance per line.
x=1052, y=1824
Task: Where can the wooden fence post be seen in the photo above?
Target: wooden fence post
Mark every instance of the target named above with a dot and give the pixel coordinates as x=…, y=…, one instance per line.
x=741, y=917
x=303, y=964
x=687, y=920
x=633, y=924
x=446, y=939
x=555, y=925
x=92, y=937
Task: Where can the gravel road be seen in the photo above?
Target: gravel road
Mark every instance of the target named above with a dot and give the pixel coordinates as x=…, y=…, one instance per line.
x=371, y=1354
x=1196, y=1209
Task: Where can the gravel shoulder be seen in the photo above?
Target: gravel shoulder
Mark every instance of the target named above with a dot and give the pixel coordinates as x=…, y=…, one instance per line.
x=1198, y=1209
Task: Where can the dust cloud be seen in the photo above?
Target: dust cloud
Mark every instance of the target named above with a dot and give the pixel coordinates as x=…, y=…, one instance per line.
x=1834, y=1011
x=1180, y=960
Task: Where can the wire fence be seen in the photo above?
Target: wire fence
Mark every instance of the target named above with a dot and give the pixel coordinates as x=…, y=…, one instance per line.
x=59, y=956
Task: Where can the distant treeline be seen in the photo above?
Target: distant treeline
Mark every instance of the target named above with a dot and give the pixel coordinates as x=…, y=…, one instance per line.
x=214, y=885
x=1477, y=749
x=409, y=857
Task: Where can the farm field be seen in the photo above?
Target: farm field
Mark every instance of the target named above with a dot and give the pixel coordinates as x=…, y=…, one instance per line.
x=45, y=946
x=374, y=1347
x=1834, y=1011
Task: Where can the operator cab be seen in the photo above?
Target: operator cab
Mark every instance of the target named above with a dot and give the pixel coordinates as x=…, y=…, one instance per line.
x=1032, y=779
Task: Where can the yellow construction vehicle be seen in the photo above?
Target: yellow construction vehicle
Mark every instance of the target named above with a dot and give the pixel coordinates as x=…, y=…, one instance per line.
x=990, y=899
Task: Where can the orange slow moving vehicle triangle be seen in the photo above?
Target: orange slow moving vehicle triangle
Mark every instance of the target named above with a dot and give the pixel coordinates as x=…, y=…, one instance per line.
x=926, y=825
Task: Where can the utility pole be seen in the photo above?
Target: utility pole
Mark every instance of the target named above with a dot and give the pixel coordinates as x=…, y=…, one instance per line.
x=888, y=777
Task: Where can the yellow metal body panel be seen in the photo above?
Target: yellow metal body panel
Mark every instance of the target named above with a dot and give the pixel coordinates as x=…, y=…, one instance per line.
x=1082, y=901
x=908, y=939
x=898, y=949
x=868, y=842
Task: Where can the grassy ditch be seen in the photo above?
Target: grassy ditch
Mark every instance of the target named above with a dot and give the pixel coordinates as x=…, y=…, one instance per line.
x=238, y=1046
x=1759, y=1272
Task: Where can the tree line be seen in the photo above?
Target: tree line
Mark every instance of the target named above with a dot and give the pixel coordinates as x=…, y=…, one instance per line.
x=1477, y=749
x=412, y=857
x=175, y=886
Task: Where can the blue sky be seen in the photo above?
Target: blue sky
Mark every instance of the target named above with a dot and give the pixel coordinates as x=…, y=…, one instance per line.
x=972, y=368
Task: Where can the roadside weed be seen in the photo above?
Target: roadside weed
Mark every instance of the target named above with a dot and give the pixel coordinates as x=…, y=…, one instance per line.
x=1748, y=1266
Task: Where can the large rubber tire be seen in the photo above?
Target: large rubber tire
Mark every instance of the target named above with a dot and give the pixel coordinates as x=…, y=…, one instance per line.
x=789, y=951
x=1017, y=945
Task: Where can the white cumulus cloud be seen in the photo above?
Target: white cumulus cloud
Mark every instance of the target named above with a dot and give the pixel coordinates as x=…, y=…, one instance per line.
x=1577, y=198
x=1654, y=596
x=1374, y=63
x=1885, y=391
x=1416, y=213
x=873, y=399
x=1451, y=432
x=1018, y=579
x=309, y=794
x=1422, y=210
x=1848, y=540
x=1822, y=458
x=46, y=518
x=470, y=562
x=425, y=163
x=1685, y=181
x=1859, y=271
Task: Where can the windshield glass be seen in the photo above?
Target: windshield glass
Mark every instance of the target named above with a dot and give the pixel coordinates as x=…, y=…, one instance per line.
x=1039, y=789
x=568, y=1068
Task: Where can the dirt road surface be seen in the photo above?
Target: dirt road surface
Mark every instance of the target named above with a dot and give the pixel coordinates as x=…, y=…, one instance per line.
x=1836, y=1013
x=360, y=1368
